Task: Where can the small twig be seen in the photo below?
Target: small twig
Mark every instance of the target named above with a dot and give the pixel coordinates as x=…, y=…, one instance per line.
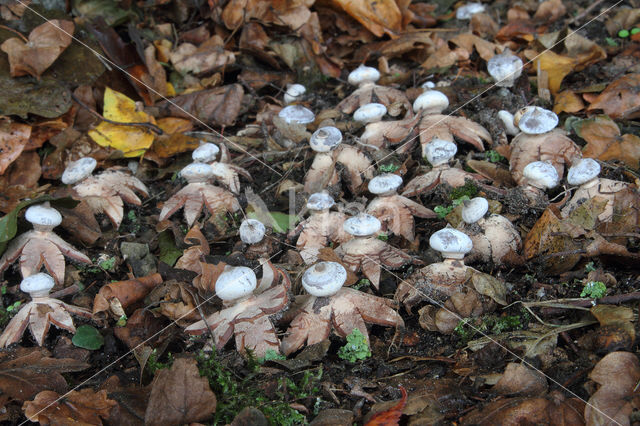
x=155, y=129
x=18, y=33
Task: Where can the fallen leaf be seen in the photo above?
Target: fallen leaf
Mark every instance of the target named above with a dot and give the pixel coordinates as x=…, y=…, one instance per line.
x=605, y=142
x=567, y=101
x=550, y=11
x=179, y=395
x=174, y=141
x=291, y=13
x=379, y=17
x=556, y=66
x=207, y=57
x=20, y=181
x=26, y=371
x=216, y=107
x=13, y=138
x=549, y=409
x=46, y=43
x=621, y=98
x=518, y=379
x=131, y=140
x=126, y=292
x=84, y=407
x=391, y=416
x=618, y=374
x=616, y=330
x=469, y=41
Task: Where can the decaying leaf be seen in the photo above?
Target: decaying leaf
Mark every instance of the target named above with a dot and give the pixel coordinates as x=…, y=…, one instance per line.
x=518, y=379
x=343, y=312
x=46, y=43
x=390, y=416
x=618, y=375
x=605, y=141
x=553, y=408
x=85, y=407
x=126, y=292
x=207, y=57
x=293, y=13
x=621, y=98
x=379, y=17
x=13, y=138
x=215, y=107
x=373, y=93
x=193, y=256
x=179, y=395
x=26, y=371
x=133, y=141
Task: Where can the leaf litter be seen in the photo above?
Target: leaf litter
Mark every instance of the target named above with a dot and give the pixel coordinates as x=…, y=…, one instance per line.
x=550, y=338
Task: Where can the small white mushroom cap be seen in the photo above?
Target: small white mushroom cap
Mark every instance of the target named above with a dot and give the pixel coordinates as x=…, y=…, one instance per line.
x=370, y=113
x=384, y=184
x=428, y=85
x=431, y=102
x=541, y=174
x=294, y=93
x=505, y=68
x=451, y=243
x=37, y=285
x=362, y=75
x=297, y=114
x=320, y=201
x=362, y=225
x=464, y=13
x=535, y=120
x=325, y=139
x=236, y=282
x=324, y=279
x=43, y=215
x=205, y=153
x=583, y=171
x=473, y=210
x=78, y=170
x=440, y=151
x=197, y=172
x=251, y=231
x=507, y=119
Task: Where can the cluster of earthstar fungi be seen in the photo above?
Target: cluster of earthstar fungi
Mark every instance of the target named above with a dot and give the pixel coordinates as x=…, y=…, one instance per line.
x=252, y=309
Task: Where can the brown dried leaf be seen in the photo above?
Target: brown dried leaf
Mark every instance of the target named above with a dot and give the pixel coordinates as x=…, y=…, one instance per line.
x=567, y=101
x=621, y=98
x=216, y=107
x=469, y=41
x=605, y=142
x=46, y=43
x=13, y=138
x=550, y=11
x=618, y=374
x=26, y=371
x=379, y=17
x=292, y=13
x=207, y=57
x=20, y=181
x=179, y=395
x=193, y=256
x=546, y=238
x=84, y=407
x=127, y=292
x=518, y=379
x=548, y=409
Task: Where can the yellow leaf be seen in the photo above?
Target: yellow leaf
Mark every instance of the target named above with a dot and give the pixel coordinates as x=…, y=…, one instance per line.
x=557, y=68
x=131, y=140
